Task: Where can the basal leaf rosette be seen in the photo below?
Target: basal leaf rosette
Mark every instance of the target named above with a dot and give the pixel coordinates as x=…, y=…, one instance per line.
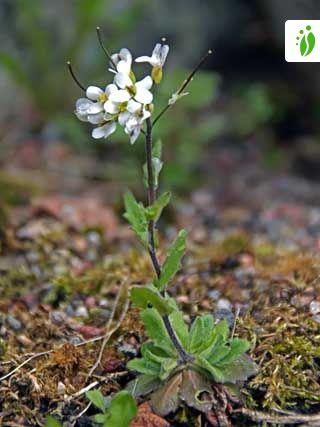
x=217, y=358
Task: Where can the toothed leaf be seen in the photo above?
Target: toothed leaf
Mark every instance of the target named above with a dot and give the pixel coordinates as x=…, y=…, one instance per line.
x=172, y=262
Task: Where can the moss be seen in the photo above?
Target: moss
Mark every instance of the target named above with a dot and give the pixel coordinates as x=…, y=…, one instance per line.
x=16, y=190
x=235, y=244
x=287, y=349
x=15, y=281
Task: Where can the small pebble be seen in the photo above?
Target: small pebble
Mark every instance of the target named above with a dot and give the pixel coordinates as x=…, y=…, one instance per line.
x=81, y=312
x=224, y=304
x=128, y=349
x=14, y=323
x=315, y=307
x=58, y=317
x=214, y=294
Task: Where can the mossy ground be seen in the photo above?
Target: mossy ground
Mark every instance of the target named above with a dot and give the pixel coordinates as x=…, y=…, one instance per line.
x=59, y=284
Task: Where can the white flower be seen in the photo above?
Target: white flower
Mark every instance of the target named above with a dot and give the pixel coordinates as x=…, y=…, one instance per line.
x=176, y=96
x=133, y=118
x=91, y=109
x=157, y=60
x=122, y=61
x=117, y=101
x=140, y=91
x=106, y=128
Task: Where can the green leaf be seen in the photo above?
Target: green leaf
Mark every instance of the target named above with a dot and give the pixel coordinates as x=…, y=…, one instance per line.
x=218, y=337
x=135, y=215
x=143, y=384
x=238, y=346
x=180, y=327
x=172, y=262
x=154, y=211
x=216, y=373
x=143, y=297
x=238, y=370
x=52, y=422
x=156, y=330
x=200, y=330
x=220, y=351
x=122, y=410
x=101, y=418
x=157, y=149
x=144, y=366
x=167, y=366
x=96, y=397
x=153, y=353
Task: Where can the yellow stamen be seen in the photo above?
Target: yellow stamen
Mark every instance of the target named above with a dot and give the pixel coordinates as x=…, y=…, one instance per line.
x=102, y=98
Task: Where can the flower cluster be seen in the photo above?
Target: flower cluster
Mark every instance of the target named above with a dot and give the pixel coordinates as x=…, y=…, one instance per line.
x=125, y=102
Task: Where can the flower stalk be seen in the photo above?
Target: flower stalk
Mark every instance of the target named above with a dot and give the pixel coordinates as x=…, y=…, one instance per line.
x=183, y=355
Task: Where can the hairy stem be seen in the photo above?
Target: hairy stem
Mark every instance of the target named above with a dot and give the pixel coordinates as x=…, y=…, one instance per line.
x=185, y=357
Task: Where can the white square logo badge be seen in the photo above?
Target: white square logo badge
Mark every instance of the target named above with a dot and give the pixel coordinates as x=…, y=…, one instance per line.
x=302, y=40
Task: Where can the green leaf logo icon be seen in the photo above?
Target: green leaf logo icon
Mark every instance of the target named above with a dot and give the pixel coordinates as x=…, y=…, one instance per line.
x=306, y=40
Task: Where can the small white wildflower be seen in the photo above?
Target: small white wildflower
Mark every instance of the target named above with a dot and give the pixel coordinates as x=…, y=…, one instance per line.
x=107, y=128
x=122, y=61
x=140, y=90
x=133, y=118
x=176, y=96
x=157, y=60
x=91, y=109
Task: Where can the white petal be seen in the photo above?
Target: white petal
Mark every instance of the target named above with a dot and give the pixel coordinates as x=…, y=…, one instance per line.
x=95, y=108
x=111, y=107
x=163, y=53
x=134, y=134
x=115, y=58
x=82, y=105
x=123, y=118
x=81, y=116
x=145, y=83
x=93, y=92
x=131, y=123
x=144, y=59
x=133, y=106
x=144, y=96
x=120, y=96
x=104, y=131
x=124, y=67
x=125, y=54
x=122, y=80
x=110, y=89
x=146, y=114
x=156, y=51
x=95, y=119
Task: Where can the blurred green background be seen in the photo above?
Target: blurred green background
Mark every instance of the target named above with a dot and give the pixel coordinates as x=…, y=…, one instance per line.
x=246, y=99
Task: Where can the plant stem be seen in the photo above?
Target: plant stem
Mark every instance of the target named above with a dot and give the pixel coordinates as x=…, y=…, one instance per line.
x=185, y=357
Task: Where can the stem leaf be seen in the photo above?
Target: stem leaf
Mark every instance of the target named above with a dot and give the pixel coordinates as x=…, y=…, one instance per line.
x=172, y=262
x=143, y=297
x=135, y=215
x=154, y=211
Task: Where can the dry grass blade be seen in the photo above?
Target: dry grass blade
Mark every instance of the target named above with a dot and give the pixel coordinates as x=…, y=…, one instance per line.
x=119, y=311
